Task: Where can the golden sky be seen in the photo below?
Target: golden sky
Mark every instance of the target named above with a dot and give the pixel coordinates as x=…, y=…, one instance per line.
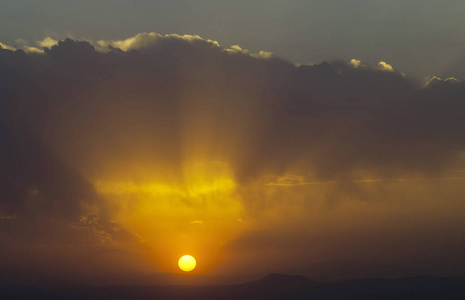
x=120, y=156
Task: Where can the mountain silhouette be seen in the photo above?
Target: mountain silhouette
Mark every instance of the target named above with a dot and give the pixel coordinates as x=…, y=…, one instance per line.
x=271, y=287
x=188, y=279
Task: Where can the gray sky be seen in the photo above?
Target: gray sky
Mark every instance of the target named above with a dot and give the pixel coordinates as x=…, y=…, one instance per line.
x=419, y=37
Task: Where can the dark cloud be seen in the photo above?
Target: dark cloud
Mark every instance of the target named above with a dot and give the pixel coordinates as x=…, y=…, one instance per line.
x=81, y=111
x=456, y=68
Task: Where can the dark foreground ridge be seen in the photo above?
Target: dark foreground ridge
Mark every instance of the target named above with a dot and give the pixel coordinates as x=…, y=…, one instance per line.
x=274, y=286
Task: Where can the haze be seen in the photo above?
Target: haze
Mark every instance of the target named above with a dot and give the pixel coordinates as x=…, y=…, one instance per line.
x=123, y=148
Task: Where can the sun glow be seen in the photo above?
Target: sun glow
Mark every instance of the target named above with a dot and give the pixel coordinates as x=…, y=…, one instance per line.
x=187, y=263
x=202, y=212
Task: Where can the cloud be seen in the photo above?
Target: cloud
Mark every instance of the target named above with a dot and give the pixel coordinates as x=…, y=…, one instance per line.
x=6, y=47
x=149, y=40
x=355, y=63
x=122, y=146
x=437, y=82
x=385, y=66
x=24, y=45
x=455, y=68
x=288, y=180
x=199, y=222
x=237, y=49
x=47, y=42
x=8, y=217
x=107, y=230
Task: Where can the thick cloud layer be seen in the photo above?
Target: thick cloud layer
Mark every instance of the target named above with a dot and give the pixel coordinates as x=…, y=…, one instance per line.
x=334, y=169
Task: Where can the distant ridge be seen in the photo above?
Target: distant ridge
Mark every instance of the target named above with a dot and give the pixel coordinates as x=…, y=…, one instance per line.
x=270, y=287
x=165, y=279
x=275, y=279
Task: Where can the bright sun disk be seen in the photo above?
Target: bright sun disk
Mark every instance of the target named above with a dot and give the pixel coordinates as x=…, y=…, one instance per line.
x=187, y=263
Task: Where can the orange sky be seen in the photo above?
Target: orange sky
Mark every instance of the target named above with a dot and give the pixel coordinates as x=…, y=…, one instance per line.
x=122, y=156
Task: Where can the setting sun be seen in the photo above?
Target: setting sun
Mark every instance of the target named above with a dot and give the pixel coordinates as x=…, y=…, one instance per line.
x=187, y=263
x=295, y=149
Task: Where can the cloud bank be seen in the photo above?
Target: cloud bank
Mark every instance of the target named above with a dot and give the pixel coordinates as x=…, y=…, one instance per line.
x=128, y=153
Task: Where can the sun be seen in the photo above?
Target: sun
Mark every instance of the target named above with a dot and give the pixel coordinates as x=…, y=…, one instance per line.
x=187, y=263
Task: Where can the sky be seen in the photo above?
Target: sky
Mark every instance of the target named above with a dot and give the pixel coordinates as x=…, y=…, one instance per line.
x=250, y=137
x=420, y=37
